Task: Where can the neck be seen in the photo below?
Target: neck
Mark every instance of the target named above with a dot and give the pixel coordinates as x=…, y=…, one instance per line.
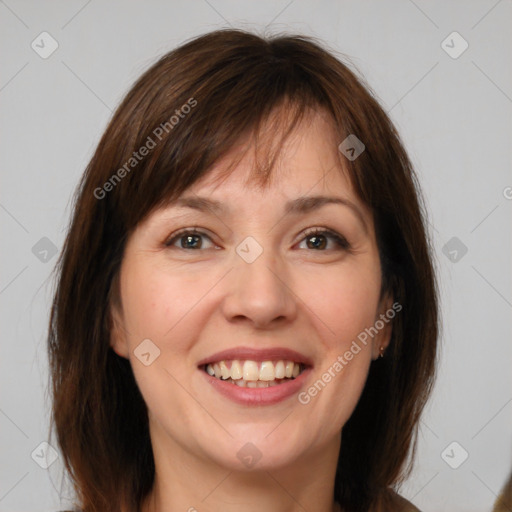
x=185, y=482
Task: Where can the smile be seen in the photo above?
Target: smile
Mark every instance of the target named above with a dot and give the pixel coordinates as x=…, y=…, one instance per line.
x=254, y=374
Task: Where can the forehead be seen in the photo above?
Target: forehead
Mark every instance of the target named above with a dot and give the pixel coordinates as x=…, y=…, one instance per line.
x=307, y=174
x=306, y=161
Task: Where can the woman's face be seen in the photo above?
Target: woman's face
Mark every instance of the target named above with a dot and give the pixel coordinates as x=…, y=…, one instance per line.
x=269, y=283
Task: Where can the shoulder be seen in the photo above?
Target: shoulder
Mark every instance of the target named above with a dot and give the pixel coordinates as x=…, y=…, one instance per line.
x=392, y=502
x=401, y=504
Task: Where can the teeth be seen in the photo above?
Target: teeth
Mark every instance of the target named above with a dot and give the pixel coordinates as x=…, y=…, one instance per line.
x=254, y=374
x=225, y=372
x=236, y=370
x=280, y=372
x=256, y=383
x=251, y=371
x=267, y=371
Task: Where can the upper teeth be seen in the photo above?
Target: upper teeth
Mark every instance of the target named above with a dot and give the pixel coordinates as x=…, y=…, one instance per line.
x=253, y=370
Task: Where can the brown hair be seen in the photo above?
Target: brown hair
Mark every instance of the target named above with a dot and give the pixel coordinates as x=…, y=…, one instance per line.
x=231, y=81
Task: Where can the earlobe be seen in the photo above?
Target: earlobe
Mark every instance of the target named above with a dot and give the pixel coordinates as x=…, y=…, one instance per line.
x=382, y=340
x=118, y=340
x=384, y=321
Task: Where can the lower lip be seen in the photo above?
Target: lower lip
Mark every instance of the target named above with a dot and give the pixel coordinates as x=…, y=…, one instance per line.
x=258, y=396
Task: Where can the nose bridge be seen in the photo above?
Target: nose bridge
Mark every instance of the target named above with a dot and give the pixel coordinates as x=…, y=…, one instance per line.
x=259, y=291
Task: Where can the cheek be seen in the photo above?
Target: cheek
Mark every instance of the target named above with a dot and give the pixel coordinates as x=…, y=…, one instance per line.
x=163, y=307
x=344, y=302
x=154, y=301
x=166, y=306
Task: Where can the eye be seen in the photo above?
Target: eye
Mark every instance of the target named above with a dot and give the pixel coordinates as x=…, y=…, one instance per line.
x=317, y=239
x=188, y=239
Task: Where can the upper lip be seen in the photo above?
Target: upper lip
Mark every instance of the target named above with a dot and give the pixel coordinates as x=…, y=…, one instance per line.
x=255, y=354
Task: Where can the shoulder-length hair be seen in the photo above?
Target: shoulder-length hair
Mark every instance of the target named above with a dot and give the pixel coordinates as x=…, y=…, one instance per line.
x=188, y=110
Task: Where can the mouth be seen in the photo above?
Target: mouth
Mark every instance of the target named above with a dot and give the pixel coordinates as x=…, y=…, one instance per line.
x=255, y=374
x=251, y=376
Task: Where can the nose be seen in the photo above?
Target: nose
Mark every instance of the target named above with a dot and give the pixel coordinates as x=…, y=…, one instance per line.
x=259, y=293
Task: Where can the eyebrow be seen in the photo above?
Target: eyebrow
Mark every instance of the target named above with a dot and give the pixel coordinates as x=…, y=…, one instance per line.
x=299, y=206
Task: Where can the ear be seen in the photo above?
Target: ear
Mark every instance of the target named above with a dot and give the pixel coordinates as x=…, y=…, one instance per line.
x=384, y=325
x=118, y=338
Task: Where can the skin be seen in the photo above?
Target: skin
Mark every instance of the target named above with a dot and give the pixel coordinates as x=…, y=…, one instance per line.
x=193, y=303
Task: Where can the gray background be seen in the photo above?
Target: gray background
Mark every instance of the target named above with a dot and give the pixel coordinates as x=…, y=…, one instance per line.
x=453, y=113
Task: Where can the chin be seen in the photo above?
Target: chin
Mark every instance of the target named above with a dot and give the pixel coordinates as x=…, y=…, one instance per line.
x=257, y=447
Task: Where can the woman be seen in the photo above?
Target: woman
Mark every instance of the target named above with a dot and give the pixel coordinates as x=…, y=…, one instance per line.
x=246, y=310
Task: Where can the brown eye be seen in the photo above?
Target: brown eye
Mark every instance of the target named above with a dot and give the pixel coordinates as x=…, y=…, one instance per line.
x=318, y=239
x=187, y=239
x=191, y=242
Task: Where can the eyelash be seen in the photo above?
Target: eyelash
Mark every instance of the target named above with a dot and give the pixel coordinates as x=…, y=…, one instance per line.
x=340, y=241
